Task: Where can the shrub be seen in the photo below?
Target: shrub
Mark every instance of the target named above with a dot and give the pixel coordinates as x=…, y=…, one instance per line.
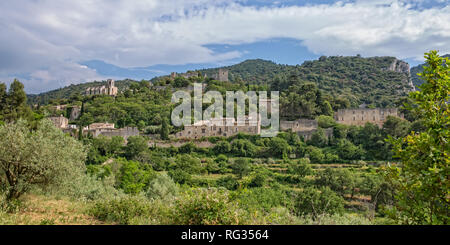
x=243, y=148
x=187, y=148
x=326, y=121
x=180, y=176
x=228, y=182
x=318, y=202
x=315, y=154
x=162, y=187
x=263, y=198
x=222, y=147
x=301, y=169
x=206, y=207
x=279, y=147
x=134, y=176
x=135, y=145
x=241, y=167
x=121, y=209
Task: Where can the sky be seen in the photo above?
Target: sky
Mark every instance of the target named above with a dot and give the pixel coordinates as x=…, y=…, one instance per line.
x=48, y=44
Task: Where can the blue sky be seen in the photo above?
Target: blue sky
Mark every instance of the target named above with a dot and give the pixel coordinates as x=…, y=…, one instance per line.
x=49, y=44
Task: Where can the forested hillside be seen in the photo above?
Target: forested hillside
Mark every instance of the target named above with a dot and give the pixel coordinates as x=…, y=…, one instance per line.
x=376, y=81
x=71, y=91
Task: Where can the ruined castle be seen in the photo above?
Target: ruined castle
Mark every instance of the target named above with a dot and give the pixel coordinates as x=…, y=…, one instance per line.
x=94, y=129
x=221, y=75
x=224, y=127
x=109, y=89
x=361, y=116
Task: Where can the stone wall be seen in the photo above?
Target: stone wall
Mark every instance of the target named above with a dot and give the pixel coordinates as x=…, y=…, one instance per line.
x=299, y=125
x=307, y=134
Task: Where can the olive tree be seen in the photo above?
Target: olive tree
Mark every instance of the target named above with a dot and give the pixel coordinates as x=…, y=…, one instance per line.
x=41, y=157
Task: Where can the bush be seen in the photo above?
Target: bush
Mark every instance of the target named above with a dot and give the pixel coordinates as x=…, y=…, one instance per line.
x=241, y=167
x=279, y=147
x=318, y=202
x=162, y=187
x=228, y=182
x=134, y=176
x=121, y=209
x=222, y=147
x=326, y=121
x=263, y=198
x=206, y=207
x=180, y=176
x=135, y=145
x=315, y=154
x=243, y=148
x=301, y=169
x=187, y=148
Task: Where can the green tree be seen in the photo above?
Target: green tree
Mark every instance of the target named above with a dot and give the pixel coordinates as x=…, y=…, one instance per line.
x=134, y=177
x=318, y=202
x=422, y=177
x=326, y=121
x=135, y=145
x=16, y=103
x=222, y=147
x=241, y=167
x=37, y=158
x=3, y=99
x=164, y=129
x=319, y=139
x=301, y=168
x=243, y=148
x=279, y=147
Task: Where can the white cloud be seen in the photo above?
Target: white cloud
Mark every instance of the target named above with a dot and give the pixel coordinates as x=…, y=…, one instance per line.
x=46, y=39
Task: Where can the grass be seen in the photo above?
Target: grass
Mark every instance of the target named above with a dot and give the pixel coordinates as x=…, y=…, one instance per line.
x=42, y=210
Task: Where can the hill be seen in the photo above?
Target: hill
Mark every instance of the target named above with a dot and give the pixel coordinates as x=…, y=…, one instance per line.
x=419, y=69
x=71, y=91
x=376, y=81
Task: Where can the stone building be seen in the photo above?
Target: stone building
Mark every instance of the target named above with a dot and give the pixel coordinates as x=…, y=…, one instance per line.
x=109, y=89
x=110, y=132
x=299, y=125
x=224, y=127
x=361, y=116
x=60, y=122
x=222, y=75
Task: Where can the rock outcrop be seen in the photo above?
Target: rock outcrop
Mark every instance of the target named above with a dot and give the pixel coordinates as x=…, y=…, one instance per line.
x=403, y=67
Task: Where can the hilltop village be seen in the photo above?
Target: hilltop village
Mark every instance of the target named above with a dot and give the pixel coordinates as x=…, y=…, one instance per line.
x=225, y=127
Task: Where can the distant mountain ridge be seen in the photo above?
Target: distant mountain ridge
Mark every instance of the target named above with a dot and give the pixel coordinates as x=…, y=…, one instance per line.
x=374, y=81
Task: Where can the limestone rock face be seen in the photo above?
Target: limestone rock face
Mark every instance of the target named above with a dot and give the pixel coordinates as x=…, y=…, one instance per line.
x=403, y=67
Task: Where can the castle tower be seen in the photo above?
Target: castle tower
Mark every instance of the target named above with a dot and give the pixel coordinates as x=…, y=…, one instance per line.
x=223, y=75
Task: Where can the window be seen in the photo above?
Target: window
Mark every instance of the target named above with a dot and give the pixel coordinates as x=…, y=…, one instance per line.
x=203, y=130
x=354, y=118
